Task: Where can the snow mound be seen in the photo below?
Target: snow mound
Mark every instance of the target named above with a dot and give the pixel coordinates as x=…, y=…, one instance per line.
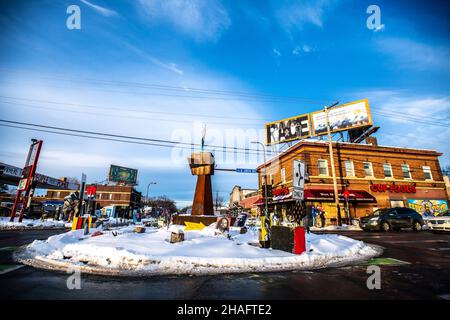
x=122, y=252
x=30, y=224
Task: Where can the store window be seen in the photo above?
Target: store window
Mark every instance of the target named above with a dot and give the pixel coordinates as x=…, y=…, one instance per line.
x=387, y=168
x=406, y=171
x=323, y=167
x=349, y=168
x=368, y=169
x=427, y=173
x=397, y=203
x=283, y=175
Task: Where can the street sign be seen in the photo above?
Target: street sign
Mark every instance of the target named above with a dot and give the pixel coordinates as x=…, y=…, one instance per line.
x=298, y=180
x=242, y=170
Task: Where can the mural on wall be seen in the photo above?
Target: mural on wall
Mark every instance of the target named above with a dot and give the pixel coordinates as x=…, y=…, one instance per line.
x=428, y=207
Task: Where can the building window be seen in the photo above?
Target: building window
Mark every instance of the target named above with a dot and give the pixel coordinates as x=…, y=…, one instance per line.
x=323, y=167
x=349, y=169
x=110, y=196
x=283, y=175
x=427, y=173
x=387, y=168
x=368, y=169
x=263, y=179
x=406, y=171
x=271, y=179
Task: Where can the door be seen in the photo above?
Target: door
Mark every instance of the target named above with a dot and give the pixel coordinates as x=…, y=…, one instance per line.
x=405, y=217
x=393, y=218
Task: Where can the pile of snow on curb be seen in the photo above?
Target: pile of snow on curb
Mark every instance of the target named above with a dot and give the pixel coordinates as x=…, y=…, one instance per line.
x=122, y=252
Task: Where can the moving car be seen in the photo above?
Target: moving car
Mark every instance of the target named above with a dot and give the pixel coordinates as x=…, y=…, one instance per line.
x=440, y=222
x=392, y=219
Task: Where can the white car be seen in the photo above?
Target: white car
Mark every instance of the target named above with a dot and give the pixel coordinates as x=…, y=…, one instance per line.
x=441, y=222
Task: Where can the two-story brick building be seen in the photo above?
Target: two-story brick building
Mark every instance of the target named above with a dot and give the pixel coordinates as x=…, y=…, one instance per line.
x=375, y=177
x=124, y=196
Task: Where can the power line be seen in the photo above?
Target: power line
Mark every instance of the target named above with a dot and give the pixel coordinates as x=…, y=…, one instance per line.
x=161, y=142
x=165, y=143
x=184, y=89
x=388, y=114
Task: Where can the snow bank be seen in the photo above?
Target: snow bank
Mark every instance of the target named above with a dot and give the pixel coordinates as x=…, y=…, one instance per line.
x=30, y=224
x=202, y=252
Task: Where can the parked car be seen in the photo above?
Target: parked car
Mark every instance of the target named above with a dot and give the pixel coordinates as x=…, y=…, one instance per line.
x=440, y=222
x=5, y=211
x=392, y=219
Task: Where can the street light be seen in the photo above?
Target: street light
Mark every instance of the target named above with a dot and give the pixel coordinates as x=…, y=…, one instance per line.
x=148, y=186
x=265, y=176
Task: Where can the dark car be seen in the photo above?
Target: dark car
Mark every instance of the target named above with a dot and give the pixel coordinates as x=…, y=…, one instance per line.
x=5, y=212
x=392, y=219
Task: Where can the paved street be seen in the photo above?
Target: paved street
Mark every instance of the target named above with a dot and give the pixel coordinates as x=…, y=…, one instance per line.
x=426, y=276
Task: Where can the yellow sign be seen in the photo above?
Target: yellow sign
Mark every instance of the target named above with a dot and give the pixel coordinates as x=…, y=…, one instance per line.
x=193, y=226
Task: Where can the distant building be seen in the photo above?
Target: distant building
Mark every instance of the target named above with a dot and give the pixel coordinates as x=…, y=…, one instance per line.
x=237, y=194
x=124, y=196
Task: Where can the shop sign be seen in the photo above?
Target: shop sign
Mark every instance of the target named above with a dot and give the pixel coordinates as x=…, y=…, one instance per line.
x=284, y=191
x=393, y=188
x=428, y=208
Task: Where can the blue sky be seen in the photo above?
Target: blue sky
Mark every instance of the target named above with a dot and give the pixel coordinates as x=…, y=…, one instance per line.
x=319, y=51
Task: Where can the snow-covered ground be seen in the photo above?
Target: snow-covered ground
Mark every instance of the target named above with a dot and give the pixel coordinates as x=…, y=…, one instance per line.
x=122, y=252
x=30, y=224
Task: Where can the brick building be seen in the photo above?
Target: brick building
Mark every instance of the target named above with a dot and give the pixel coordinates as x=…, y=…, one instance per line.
x=375, y=176
x=124, y=196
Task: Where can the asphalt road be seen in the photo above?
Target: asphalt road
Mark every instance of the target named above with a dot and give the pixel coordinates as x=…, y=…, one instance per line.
x=424, y=273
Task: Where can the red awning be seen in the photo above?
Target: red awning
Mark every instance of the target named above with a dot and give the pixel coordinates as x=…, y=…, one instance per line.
x=328, y=195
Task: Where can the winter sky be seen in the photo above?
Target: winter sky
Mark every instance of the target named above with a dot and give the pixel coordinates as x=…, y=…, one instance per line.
x=319, y=51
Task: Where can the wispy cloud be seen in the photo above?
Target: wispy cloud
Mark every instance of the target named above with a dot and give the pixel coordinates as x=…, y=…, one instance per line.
x=201, y=20
x=102, y=10
x=299, y=49
x=295, y=15
x=276, y=52
x=414, y=55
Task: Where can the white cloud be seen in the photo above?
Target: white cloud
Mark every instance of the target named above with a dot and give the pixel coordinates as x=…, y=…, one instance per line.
x=410, y=119
x=201, y=20
x=299, y=49
x=276, y=52
x=295, y=15
x=102, y=10
x=414, y=55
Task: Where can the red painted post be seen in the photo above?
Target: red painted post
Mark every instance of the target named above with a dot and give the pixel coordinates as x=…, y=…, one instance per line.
x=299, y=240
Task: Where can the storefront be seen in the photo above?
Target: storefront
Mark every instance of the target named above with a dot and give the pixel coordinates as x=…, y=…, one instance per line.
x=369, y=177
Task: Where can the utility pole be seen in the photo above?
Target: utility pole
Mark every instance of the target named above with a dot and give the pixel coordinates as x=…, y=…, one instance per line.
x=333, y=170
x=265, y=178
